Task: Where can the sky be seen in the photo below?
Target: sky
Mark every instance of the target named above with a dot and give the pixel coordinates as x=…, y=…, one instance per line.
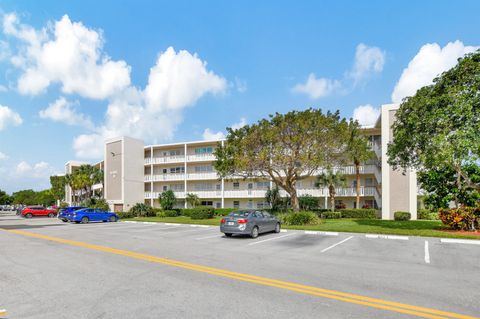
x=73, y=73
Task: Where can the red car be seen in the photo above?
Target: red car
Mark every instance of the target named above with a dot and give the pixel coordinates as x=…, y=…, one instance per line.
x=29, y=212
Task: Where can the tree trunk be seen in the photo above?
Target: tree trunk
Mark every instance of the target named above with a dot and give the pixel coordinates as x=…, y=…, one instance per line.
x=357, y=173
x=294, y=200
x=331, y=190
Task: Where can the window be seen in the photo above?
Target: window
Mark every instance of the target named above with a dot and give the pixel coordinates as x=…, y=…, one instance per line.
x=236, y=204
x=177, y=170
x=218, y=187
x=250, y=185
x=250, y=203
x=236, y=185
x=207, y=203
x=262, y=205
x=177, y=187
x=175, y=152
x=368, y=181
x=203, y=168
x=218, y=205
x=204, y=150
x=263, y=185
x=165, y=187
x=203, y=187
x=259, y=214
x=266, y=215
x=164, y=171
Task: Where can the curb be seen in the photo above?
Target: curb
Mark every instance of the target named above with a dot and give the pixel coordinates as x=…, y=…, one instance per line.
x=460, y=241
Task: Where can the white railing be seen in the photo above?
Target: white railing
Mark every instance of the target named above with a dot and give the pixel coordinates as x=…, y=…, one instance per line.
x=206, y=175
x=207, y=194
x=165, y=177
x=165, y=159
x=155, y=195
x=201, y=157
x=378, y=174
x=245, y=193
x=350, y=170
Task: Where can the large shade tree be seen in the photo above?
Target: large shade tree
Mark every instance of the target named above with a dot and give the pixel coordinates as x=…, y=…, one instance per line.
x=285, y=148
x=438, y=128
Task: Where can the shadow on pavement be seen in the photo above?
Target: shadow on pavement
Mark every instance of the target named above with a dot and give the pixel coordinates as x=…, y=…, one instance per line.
x=24, y=226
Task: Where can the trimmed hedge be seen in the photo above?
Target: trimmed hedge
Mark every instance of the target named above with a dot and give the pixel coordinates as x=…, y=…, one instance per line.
x=171, y=213
x=363, y=213
x=123, y=215
x=427, y=215
x=223, y=211
x=401, y=216
x=331, y=215
x=202, y=212
x=299, y=218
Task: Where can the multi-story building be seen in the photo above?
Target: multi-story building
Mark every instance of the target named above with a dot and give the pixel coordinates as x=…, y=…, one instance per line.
x=137, y=173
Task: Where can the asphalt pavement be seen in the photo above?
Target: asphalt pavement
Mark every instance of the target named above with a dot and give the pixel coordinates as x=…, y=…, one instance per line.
x=51, y=269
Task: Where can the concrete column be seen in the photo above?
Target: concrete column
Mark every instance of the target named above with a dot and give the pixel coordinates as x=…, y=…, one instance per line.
x=223, y=189
x=185, y=175
x=151, y=176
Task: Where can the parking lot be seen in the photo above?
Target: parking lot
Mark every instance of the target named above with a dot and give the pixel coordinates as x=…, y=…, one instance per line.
x=50, y=269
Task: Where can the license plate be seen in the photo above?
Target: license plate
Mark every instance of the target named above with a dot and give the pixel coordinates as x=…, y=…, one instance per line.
x=230, y=223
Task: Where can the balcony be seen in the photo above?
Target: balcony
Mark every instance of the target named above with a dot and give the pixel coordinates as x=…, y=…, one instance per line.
x=205, y=175
x=245, y=193
x=165, y=177
x=207, y=194
x=350, y=170
x=155, y=195
x=200, y=157
x=165, y=159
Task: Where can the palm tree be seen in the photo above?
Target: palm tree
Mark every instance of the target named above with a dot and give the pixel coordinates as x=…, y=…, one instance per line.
x=331, y=180
x=192, y=199
x=359, y=152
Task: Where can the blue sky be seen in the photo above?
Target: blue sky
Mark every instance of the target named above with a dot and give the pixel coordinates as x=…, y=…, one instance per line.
x=63, y=64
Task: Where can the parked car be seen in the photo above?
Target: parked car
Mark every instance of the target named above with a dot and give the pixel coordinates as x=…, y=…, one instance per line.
x=249, y=222
x=87, y=215
x=31, y=211
x=64, y=212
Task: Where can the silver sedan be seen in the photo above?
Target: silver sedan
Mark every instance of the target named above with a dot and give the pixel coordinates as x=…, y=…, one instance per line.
x=249, y=222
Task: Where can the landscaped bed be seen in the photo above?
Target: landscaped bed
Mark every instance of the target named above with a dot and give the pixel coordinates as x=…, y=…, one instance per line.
x=429, y=228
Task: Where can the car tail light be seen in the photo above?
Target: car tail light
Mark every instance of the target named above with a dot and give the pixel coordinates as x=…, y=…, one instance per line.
x=222, y=221
x=242, y=221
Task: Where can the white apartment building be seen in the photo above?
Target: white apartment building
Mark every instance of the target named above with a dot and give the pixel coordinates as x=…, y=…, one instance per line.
x=136, y=173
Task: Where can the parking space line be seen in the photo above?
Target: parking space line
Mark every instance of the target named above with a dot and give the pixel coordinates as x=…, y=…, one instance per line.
x=262, y=241
x=326, y=233
x=217, y=235
x=334, y=245
x=460, y=241
x=427, y=253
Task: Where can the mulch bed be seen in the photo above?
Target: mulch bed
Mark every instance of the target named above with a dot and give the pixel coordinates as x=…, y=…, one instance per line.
x=462, y=232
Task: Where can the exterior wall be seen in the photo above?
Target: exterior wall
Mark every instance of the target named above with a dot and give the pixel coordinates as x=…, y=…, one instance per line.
x=399, y=190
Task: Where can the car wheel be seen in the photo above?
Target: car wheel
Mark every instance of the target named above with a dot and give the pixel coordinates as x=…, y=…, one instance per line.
x=254, y=233
x=228, y=234
x=277, y=228
x=64, y=220
x=51, y=215
x=84, y=220
x=28, y=215
x=113, y=219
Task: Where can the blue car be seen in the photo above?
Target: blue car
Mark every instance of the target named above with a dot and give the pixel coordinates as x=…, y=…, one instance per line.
x=64, y=212
x=87, y=215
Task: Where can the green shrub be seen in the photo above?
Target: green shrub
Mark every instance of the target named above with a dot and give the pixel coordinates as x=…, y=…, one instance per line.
x=171, y=213
x=167, y=199
x=464, y=218
x=101, y=204
x=401, y=216
x=299, y=218
x=331, y=215
x=142, y=210
x=308, y=202
x=363, y=213
x=123, y=215
x=427, y=214
x=202, y=212
x=223, y=211
x=161, y=214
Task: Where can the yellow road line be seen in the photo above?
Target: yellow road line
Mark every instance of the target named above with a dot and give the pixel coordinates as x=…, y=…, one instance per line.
x=326, y=293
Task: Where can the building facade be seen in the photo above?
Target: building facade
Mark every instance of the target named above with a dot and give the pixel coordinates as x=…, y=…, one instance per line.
x=136, y=173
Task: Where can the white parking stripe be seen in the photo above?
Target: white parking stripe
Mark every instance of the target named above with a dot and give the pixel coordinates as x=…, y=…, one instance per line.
x=334, y=245
x=217, y=235
x=326, y=233
x=427, y=253
x=262, y=241
x=460, y=241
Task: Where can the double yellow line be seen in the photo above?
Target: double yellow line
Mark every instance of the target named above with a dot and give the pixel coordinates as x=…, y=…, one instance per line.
x=309, y=290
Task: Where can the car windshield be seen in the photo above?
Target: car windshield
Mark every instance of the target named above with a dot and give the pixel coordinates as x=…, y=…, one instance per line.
x=240, y=213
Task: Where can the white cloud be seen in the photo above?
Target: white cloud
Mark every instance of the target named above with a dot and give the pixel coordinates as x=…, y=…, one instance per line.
x=430, y=61
x=37, y=170
x=241, y=85
x=316, y=88
x=208, y=135
x=366, y=115
x=368, y=60
x=3, y=156
x=4, y=50
x=63, y=111
x=9, y=117
x=178, y=80
x=68, y=53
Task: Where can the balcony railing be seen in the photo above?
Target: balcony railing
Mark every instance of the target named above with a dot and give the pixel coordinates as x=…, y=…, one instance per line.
x=155, y=195
x=207, y=194
x=200, y=157
x=206, y=175
x=165, y=159
x=165, y=177
x=244, y=193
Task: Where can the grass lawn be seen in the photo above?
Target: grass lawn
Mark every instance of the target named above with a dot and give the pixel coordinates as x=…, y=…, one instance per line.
x=430, y=228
